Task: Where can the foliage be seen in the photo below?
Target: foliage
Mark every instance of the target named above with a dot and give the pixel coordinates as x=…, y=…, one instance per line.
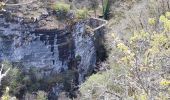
x=166, y=21
x=18, y=80
x=165, y=82
x=139, y=66
x=12, y=80
x=106, y=8
x=81, y=13
x=167, y=14
x=6, y=95
x=32, y=80
x=61, y=7
x=98, y=84
x=151, y=21
x=2, y=75
x=2, y=4
x=41, y=95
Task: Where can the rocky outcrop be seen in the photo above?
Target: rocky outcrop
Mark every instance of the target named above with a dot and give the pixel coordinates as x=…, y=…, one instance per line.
x=39, y=42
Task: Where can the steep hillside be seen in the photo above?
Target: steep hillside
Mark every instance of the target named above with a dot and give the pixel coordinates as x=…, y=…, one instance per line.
x=137, y=67
x=85, y=49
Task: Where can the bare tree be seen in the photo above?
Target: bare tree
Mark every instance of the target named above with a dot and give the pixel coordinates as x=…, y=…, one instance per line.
x=2, y=75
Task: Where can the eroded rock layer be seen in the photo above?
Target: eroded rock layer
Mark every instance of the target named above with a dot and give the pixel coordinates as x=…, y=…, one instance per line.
x=35, y=39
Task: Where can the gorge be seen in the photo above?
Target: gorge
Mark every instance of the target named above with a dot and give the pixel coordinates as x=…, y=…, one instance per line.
x=35, y=40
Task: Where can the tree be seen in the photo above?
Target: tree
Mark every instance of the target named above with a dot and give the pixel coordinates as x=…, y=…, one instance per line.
x=14, y=79
x=5, y=73
x=138, y=67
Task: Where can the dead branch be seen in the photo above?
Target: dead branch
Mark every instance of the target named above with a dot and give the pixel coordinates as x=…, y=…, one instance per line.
x=104, y=24
x=5, y=73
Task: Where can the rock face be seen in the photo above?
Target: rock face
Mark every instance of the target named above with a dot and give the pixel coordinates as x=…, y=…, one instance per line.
x=85, y=49
x=54, y=50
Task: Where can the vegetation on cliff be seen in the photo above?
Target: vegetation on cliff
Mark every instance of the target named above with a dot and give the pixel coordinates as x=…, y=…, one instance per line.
x=137, y=39
x=138, y=62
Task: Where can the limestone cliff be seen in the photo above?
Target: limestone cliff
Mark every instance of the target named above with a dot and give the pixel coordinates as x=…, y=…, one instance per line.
x=34, y=38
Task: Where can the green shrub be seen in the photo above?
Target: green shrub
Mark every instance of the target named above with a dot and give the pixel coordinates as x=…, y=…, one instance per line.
x=61, y=7
x=13, y=79
x=81, y=13
x=41, y=95
x=6, y=95
x=94, y=86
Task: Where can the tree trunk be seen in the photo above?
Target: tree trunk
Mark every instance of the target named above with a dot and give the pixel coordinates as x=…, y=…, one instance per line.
x=95, y=12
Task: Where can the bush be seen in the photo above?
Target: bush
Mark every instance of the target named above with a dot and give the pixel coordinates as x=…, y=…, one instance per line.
x=61, y=7
x=6, y=95
x=97, y=84
x=139, y=66
x=41, y=95
x=13, y=79
x=81, y=13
